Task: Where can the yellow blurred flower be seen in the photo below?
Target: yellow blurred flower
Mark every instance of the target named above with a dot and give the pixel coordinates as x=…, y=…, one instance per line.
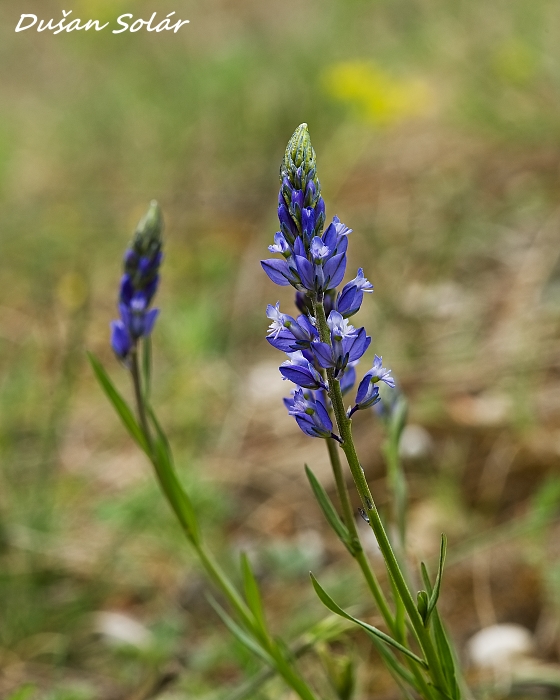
x=102, y=10
x=378, y=97
x=72, y=291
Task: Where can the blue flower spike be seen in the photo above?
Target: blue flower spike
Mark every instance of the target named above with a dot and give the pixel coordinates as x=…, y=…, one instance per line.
x=139, y=285
x=313, y=261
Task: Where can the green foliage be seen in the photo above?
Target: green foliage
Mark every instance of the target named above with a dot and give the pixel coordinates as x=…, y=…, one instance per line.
x=426, y=605
x=330, y=513
x=333, y=607
x=119, y=404
x=252, y=594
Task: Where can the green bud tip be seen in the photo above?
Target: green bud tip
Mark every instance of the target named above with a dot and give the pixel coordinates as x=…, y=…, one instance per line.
x=148, y=232
x=299, y=152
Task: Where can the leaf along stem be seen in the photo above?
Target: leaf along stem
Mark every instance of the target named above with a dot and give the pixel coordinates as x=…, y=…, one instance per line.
x=345, y=430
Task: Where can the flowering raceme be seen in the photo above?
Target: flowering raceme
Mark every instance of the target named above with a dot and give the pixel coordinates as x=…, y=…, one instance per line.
x=313, y=261
x=138, y=285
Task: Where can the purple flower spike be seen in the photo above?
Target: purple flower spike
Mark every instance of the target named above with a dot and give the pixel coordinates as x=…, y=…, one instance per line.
x=138, y=285
x=313, y=260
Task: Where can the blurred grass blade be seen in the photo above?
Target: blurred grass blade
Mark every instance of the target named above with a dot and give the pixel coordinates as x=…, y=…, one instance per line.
x=328, y=509
x=240, y=634
x=23, y=693
x=333, y=607
x=119, y=404
x=330, y=628
x=252, y=593
x=437, y=586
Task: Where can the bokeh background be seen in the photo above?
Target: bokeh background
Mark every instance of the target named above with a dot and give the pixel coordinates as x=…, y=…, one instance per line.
x=437, y=129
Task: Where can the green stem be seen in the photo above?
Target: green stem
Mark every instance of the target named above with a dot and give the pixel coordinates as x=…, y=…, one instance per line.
x=395, y=625
x=345, y=429
x=350, y=522
x=139, y=396
x=175, y=495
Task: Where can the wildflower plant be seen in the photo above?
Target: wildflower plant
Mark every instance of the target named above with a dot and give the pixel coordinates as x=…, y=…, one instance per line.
x=323, y=349
x=131, y=343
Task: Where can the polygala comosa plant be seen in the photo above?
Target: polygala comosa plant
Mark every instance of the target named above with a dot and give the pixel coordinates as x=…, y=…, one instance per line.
x=322, y=351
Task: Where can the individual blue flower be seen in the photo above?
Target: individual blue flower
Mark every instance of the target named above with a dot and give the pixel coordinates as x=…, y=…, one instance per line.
x=121, y=342
x=366, y=396
x=281, y=273
x=280, y=245
x=324, y=272
x=381, y=374
x=138, y=319
x=288, y=334
x=368, y=391
x=347, y=344
x=336, y=236
x=301, y=372
x=311, y=414
x=350, y=299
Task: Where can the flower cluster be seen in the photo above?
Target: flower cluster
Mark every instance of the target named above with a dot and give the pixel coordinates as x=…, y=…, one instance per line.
x=313, y=261
x=138, y=285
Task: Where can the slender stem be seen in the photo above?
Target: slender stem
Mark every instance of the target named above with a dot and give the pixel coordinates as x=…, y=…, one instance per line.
x=140, y=407
x=211, y=566
x=345, y=429
x=395, y=625
x=358, y=552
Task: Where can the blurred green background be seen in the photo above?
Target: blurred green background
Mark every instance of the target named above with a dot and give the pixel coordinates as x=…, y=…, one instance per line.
x=437, y=129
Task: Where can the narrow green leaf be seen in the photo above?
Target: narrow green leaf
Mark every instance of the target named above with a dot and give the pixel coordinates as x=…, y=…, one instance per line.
x=441, y=694
x=445, y=652
x=391, y=661
x=328, y=509
x=240, y=634
x=252, y=593
x=119, y=404
x=159, y=430
x=426, y=577
x=172, y=487
x=333, y=607
x=437, y=586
